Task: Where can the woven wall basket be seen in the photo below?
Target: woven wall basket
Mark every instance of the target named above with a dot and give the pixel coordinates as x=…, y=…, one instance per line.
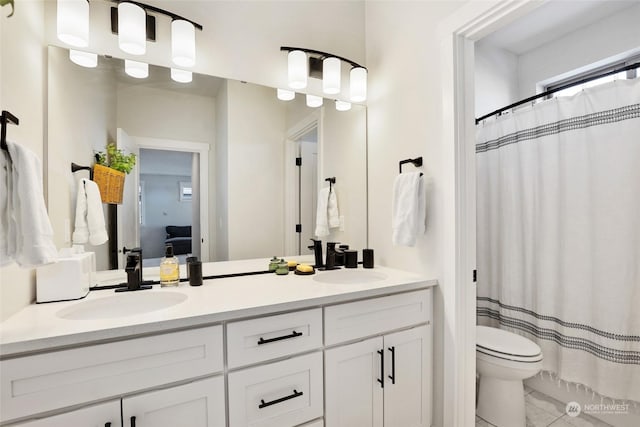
x=110, y=182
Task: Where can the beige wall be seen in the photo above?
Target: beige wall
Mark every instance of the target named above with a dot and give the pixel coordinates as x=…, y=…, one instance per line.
x=22, y=92
x=405, y=100
x=256, y=132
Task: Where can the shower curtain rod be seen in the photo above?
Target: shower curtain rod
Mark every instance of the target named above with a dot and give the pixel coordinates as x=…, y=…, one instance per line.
x=559, y=88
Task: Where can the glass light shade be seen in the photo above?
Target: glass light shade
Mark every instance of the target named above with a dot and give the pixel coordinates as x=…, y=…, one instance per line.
x=331, y=75
x=139, y=70
x=343, y=105
x=183, y=43
x=298, y=69
x=181, y=76
x=286, y=95
x=358, y=84
x=314, y=101
x=132, y=29
x=84, y=59
x=73, y=22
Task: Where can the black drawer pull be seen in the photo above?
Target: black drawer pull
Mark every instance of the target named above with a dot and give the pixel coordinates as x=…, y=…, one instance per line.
x=381, y=379
x=133, y=421
x=392, y=377
x=264, y=404
x=284, y=337
x=107, y=424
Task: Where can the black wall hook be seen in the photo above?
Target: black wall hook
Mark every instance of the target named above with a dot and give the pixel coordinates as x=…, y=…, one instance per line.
x=5, y=119
x=75, y=168
x=331, y=181
x=417, y=162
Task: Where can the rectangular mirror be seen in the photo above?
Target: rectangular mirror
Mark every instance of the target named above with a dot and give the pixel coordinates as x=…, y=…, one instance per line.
x=218, y=174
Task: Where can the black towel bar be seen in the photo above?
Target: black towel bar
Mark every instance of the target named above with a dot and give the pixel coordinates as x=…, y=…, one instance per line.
x=417, y=162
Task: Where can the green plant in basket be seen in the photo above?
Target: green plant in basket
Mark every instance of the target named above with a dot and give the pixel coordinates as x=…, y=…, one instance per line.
x=116, y=159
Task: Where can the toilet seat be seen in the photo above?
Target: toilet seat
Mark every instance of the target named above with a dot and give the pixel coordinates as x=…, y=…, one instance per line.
x=506, y=345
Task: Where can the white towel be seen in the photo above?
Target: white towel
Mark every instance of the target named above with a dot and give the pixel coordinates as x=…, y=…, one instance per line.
x=409, y=208
x=27, y=235
x=327, y=215
x=89, y=225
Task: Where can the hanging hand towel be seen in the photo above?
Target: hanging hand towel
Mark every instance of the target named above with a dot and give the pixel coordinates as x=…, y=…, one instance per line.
x=26, y=229
x=89, y=225
x=332, y=208
x=409, y=208
x=322, y=221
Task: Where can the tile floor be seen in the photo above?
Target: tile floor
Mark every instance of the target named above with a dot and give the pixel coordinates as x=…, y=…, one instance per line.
x=544, y=411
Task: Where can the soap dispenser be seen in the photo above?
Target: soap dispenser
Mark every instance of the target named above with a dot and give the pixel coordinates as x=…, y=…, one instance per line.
x=169, y=268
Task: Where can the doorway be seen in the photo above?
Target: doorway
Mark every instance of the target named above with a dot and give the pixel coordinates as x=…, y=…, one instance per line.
x=166, y=201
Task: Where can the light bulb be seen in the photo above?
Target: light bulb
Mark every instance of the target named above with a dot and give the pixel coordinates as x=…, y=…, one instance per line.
x=183, y=43
x=358, y=84
x=343, y=105
x=286, y=95
x=331, y=75
x=298, y=69
x=181, y=76
x=139, y=70
x=84, y=59
x=132, y=28
x=314, y=101
x=73, y=22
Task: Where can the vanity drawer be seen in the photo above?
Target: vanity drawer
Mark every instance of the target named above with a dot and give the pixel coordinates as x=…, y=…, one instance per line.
x=281, y=394
x=344, y=322
x=266, y=338
x=43, y=382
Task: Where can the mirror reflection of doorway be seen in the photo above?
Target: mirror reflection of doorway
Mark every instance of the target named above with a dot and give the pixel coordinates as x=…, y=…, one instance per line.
x=166, y=203
x=307, y=188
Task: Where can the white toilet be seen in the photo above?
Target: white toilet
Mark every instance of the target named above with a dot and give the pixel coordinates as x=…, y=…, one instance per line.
x=503, y=360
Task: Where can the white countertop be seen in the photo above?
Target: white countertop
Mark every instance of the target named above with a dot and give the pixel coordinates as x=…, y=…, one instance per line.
x=39, y=328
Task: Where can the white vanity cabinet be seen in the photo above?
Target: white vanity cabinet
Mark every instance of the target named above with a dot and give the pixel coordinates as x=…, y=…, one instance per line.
x=102, y=415
x=350, y=358
x=197, y=404
x=65, y=378
x=384, y=380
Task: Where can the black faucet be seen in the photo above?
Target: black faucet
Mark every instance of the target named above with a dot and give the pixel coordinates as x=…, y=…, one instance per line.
x=331, y=256
x=317, y=251
x=134, y=272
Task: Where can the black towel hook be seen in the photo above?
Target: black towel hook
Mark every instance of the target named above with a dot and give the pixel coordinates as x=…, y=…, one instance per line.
x=417, y=162
x=332, y=181
x=6, y=118
x=75, y=168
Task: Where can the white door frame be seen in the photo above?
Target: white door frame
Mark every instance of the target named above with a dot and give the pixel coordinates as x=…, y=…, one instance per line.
x=295, y=132
x=193, y=147
x=457, y=36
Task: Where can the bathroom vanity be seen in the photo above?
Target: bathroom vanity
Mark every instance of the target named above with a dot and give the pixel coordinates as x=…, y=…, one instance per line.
x=341, y=348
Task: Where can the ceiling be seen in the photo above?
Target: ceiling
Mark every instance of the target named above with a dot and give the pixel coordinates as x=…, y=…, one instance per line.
x=552, y=20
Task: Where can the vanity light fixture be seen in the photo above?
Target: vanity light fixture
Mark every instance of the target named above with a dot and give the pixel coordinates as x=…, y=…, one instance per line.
x=181, y=76
x=132, y=25
x=343, y=105
x=331, y=75
x=183, y=43
x=358, y=84
x=84, y=59
x=286, y=95
x=314, y=101
x=73, y=22
x=297, y=69
x=139, y=70
x=303, y=63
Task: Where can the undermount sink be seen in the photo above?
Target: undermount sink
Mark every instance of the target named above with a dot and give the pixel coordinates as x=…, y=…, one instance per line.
x=345, y=277
x=122, y=305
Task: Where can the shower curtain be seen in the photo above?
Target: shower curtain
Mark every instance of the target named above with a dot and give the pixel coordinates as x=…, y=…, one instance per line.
x=559, y=233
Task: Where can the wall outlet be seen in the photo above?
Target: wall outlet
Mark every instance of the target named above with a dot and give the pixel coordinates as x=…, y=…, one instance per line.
x=341, y=222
